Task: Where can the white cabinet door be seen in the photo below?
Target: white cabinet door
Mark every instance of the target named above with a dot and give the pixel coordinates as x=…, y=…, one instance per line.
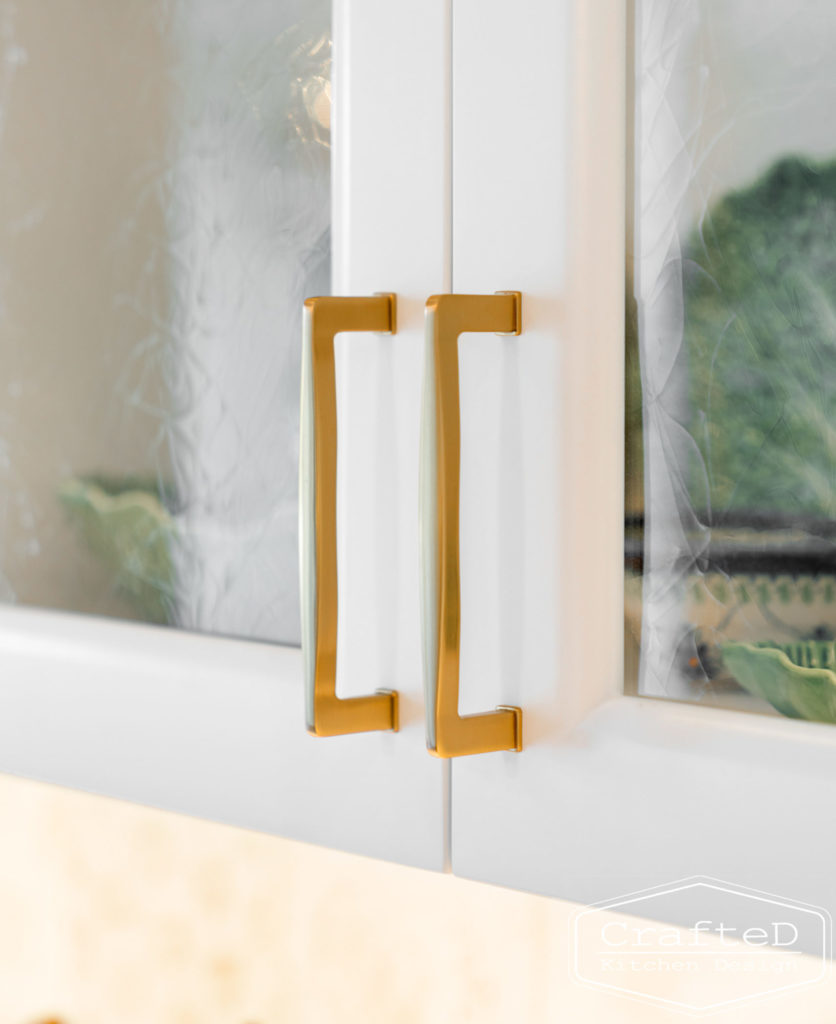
x=614, y=792
x=203, y=724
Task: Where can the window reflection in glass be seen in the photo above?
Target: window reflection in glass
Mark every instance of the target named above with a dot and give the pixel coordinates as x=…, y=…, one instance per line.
x=731, y=364
x=164, y=207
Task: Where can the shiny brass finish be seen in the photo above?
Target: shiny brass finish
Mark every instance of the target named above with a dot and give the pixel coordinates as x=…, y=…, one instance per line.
x=326, y=713
x=450, y=734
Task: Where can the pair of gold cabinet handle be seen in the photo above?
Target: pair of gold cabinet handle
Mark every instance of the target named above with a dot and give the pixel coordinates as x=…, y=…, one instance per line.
x=449, y=734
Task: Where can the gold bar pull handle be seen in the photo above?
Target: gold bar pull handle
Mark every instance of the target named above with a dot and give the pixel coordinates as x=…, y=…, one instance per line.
x=326, y=713
x=450, y=734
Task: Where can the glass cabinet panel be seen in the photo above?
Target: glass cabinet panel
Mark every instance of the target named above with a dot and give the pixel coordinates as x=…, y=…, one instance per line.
x=731, y=355
x=164, y=207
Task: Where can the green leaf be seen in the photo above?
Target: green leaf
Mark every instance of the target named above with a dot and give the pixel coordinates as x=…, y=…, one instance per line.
x=130, y=530
x=760, y=332
x=794, y=690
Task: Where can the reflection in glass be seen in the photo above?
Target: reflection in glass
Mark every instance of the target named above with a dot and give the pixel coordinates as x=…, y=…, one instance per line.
x=731, y=368
x=164, y=207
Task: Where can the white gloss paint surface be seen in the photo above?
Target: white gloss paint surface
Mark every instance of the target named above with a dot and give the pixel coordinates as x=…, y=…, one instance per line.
x=611, y=793
x=215, y=727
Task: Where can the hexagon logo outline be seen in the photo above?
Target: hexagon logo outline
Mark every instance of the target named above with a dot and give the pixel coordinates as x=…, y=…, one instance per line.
x=705, y=882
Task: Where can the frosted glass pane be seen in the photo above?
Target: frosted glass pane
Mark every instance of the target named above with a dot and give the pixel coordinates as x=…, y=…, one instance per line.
x=731, y=494
x=164, y=208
